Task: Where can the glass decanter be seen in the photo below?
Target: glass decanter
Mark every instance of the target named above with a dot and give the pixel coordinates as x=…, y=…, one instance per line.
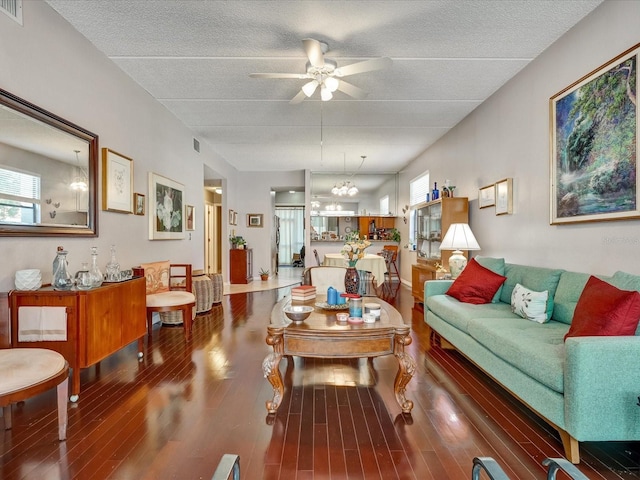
x=94, y=271
x=113, y=267
x=83, y=277
x=61, y=277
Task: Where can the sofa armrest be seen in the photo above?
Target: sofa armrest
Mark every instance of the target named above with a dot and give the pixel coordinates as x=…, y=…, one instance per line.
x=601, y=388
x=436, y=287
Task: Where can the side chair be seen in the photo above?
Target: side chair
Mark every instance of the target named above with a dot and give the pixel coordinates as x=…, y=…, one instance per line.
x=169, y=289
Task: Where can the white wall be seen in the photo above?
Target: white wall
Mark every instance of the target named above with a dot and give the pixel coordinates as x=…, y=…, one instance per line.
x=508, y=136
x=48, y=63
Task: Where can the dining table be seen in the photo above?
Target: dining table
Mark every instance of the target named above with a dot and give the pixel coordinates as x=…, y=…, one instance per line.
x=370, y=262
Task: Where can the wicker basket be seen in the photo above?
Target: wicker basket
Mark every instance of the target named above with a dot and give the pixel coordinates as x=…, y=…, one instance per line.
x=207, y=290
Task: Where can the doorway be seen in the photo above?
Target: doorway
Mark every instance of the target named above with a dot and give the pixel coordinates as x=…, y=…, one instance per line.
x=290, y=233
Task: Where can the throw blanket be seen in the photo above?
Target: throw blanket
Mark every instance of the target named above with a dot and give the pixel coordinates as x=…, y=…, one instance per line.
x=42, y=324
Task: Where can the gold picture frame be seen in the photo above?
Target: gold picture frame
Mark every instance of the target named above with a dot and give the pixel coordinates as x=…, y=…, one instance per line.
x=190, y=217
x=139, y=203
x=117, y=182
x=254, y=220
x=487, y=196
x=504, y=196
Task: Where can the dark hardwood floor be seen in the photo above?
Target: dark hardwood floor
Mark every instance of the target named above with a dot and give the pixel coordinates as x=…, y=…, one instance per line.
x=173, y=415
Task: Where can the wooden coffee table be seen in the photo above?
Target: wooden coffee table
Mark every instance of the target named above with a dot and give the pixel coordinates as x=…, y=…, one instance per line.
x=321, y=335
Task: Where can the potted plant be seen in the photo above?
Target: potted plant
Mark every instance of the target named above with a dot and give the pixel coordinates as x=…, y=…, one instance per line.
x=237, y=242
x=394, y=235
x=264, y=274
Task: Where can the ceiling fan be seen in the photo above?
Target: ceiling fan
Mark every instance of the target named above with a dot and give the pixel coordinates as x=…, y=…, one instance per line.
x=325, y=73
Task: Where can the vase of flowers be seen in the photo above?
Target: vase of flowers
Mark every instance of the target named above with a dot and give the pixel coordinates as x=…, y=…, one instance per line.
x=353, y=250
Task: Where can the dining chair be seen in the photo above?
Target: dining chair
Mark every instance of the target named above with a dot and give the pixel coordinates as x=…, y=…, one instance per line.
x=390, y=254
x=324, y=277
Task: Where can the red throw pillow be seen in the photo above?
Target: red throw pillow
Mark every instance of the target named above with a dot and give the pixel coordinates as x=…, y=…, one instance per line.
x=603, y=309
x=476, y=284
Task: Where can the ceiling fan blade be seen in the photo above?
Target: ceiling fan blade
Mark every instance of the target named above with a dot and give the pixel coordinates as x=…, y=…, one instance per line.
x=352, y=90
x=365, y=66
x=313, y=48
x=298, y=76
x=298, y=98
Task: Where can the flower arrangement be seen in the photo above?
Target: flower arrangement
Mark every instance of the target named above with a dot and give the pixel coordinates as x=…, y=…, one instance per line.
x=353, y=249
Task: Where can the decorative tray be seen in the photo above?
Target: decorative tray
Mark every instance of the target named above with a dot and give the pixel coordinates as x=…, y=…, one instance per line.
x=326, y=306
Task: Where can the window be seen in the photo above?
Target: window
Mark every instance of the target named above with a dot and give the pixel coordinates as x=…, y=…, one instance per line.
x=384, y=205
x=19, y=196
x=418, y=190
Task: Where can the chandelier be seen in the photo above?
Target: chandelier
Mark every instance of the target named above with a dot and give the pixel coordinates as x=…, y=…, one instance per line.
x=79, y=183
x=322, y=79
x=346, y=187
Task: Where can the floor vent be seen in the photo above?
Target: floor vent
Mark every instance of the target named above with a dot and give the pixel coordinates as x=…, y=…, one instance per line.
x=12, y=8
x=196, y=143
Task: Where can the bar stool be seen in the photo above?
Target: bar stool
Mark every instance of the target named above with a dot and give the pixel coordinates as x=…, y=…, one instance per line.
x=28, y=372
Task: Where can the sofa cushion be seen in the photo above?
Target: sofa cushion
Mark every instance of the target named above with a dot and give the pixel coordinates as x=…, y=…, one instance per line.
x=537, y=279
x=476, y=284
x=536, y=349
x=157, y=276
x=529, y=305
x=495, y=265
x=459, y=314
x=567, y=294
x=605, y=310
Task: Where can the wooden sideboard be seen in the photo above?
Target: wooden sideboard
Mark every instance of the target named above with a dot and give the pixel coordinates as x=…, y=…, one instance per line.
x=240, y=265
x=100, y=322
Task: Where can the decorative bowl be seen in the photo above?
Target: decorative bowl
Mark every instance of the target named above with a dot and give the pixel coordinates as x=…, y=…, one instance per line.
x=30, y=279
x=298, y=313
x=342, y=316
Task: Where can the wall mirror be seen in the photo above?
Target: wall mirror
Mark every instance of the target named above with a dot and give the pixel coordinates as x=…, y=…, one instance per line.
x=48, y=173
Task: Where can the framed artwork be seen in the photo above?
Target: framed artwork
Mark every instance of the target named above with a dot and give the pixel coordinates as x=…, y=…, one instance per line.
x=231, y=217
x=504, y=196
x=138, y=203
x=235, y=217
x=117, y=182
x=487, y=196
x=594, y=139
x=166, y=210
x=254, y=220
x=189, y=213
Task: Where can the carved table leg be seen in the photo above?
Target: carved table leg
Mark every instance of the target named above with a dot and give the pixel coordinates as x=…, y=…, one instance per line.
x=271, y=367
x=407, y=367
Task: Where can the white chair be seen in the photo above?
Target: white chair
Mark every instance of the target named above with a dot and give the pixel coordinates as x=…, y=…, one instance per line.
x=324, y=277
x=27, y=372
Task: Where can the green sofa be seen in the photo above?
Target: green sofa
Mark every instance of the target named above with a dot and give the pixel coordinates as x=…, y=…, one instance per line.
x=587, y=387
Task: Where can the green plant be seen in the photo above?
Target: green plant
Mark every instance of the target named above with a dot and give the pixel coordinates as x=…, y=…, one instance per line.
x=394, y=235
x=264, y=272
x=237, y=240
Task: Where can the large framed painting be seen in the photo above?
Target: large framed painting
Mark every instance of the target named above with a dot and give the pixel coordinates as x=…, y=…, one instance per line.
x=594, y=138
x=166, y=208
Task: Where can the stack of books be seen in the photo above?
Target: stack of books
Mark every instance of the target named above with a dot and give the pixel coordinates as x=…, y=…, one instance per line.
x=303, y=293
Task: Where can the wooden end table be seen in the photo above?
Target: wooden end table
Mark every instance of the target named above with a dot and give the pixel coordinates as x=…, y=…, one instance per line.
x=322, y=336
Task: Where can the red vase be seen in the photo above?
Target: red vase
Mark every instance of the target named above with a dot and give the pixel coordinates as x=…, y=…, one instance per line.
x=351, y=280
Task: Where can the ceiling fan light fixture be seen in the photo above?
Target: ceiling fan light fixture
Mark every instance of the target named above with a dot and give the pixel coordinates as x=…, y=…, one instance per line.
x=310, y=88
x=325, y=93
x=332, y=84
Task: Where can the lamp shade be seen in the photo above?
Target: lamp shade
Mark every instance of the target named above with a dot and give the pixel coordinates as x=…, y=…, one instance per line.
x=459, y=237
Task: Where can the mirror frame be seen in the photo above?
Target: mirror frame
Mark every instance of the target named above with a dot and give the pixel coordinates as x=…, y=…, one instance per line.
x=91, y=230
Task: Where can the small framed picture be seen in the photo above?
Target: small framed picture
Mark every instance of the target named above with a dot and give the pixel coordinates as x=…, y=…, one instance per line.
x=235, y=218
x=231, y=217
x=504, y=196
x=254, y=220
x=139, y=203
x=487, y=196
x=117, y=182
x=190, y=214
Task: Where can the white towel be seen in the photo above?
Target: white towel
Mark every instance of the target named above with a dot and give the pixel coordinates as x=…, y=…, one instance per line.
x=40, y=324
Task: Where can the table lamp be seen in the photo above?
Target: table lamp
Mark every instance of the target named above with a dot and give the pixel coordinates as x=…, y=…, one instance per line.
x=459, y=237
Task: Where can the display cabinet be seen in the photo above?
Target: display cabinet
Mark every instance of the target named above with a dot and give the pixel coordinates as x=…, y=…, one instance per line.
x=432, y=220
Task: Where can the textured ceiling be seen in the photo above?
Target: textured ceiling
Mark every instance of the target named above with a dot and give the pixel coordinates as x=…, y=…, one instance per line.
x=196, y=56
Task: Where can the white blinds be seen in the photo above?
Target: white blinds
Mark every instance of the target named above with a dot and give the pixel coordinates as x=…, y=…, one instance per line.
x=418, y=189
x=20, y=186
